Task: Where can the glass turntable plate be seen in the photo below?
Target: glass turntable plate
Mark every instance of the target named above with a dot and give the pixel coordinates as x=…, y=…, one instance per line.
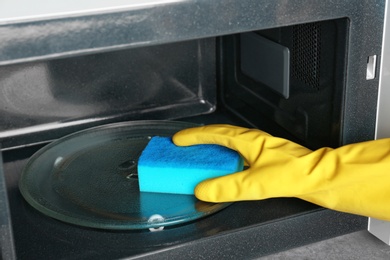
x=90, y=179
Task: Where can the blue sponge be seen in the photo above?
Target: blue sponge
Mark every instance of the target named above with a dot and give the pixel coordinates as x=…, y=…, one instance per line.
x=167, y=168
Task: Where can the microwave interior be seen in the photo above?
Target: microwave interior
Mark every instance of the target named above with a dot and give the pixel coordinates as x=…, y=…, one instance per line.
x=290, y=81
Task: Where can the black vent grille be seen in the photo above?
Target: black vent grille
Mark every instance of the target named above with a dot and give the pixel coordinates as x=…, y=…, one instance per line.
x=305, y=54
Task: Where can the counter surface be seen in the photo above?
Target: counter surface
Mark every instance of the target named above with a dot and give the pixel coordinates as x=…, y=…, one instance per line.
x=357, y=245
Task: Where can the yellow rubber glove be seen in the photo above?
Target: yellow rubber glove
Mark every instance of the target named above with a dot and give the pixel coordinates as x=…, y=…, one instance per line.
x=354, y=178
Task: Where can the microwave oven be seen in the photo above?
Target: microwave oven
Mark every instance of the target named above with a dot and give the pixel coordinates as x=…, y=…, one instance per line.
x=308, y=71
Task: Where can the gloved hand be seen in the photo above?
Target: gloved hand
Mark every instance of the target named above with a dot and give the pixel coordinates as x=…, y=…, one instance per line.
x=354, y=178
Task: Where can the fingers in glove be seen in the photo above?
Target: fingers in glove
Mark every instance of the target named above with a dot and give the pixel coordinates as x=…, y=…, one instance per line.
x=250, y=143
x=233, y=137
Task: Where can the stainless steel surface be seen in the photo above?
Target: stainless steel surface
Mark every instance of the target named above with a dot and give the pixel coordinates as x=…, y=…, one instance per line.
x=383, y=115
x=141, y=23
x=11, y=11
x=379, y=228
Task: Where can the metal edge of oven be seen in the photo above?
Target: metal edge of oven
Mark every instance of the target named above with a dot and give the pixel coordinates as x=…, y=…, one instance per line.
x=379, y=228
